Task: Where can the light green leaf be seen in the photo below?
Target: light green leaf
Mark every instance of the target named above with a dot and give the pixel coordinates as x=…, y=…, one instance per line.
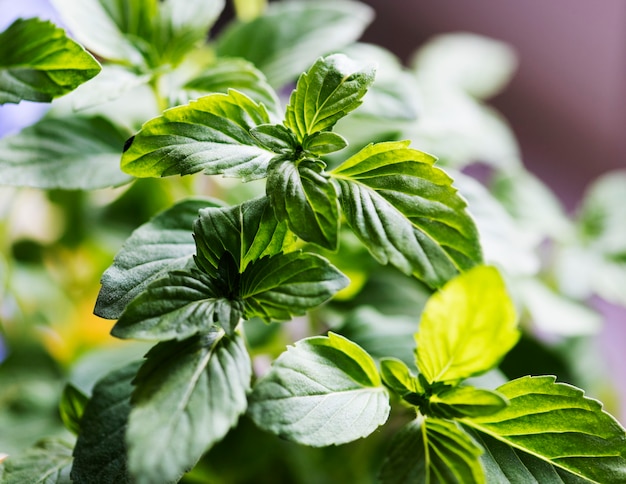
x=557, y=424
x=211, y=134
x=397, y=376
x=276, y=138
x=303, y=194
x=288, y=38
x=101, y=449
x=176, y=306
x=322, y=391
x=39, y=62
x=324, y=143
x=48, y=462
x=71, y=153
x=71, y=407
x=188, y=395
x=327, y=92
x=163, y=244
x=432, y=451
x=236, y=74
x=466, y=401
x=407, y=213
x=286, y=285
x=466, y=327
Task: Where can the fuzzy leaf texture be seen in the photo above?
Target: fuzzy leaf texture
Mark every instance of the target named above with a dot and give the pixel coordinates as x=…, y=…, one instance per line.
x=432, y=451
x=407, y=213
x=163, y=244
x=100, y=451
x=188, y=395
x=556, y=424
x=69, y=153
x=322, y=391
x=47, y=462
x=327, y=92
x=211, y=134
x=289, y=36
x=39, y=62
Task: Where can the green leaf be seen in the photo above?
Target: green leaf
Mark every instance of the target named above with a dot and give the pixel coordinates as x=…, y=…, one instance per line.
x=176, y=306
x=556, y=423
x=407, y=213
x=327, y=92
x=39, y=62
x=466, y=327
x=248, y=231
x=286, y=285
x=324, y=143
x=188, y=395
x=276, y=138
x=161, y=245
x=397, y=376
x=288, y=38
x=71, y=407
x=100, y=452
x=303, y=194
x=466, y=401
x=211, y=134
x=432, y=451
x=48, y=462
x=236, y=74
x=322, y=391
x=70, y=153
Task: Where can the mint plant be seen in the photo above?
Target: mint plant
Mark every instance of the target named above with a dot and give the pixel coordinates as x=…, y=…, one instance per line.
x=196, y=279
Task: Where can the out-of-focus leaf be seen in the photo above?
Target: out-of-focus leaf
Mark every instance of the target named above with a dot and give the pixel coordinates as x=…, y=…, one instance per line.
x=48, y=462
x=71, y=407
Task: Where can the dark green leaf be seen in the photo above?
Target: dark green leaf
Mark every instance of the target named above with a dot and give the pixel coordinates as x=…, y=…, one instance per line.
x=286, y=285
x=38, y=62
x=211, y=134
x=72, y=153
x=327, y=92
x=322, y=391
x=407, y=213
x=100, y=452
x=291, y=35
x=188, y=395
x=324, y=143
x=556, y=423
x=466, y=401
x=161, y=245
x=48, y=462
x=302, y=194
x=432, y=451
x=71, y=407
x=467, y=327
x=276, y=138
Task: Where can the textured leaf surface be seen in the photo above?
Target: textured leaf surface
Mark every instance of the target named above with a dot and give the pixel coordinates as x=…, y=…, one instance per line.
x=466, y=327
x=100, y=452
x=39, y=62
x=556, y=423
x=322, y=391
x=328, y=91
x=211, y=134
x=163, y=244
x=48, y=462
x=73, y=153
x=407, y=213
x=288, y=38
x=432, y=451
x=188, y=395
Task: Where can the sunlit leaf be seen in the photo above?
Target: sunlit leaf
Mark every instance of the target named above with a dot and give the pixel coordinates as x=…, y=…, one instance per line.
x=71, y=407
x=397, y=376
x=465, y=401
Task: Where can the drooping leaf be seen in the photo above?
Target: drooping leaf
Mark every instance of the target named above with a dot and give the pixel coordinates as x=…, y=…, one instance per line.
x=557, y=424
x=407, y=213
x=211, y=134
x=71, y=407
x=327, y=92
x=48, y=462
x=303, y=195
x=100, y=452
x=163, y=244
x=466, y=401
x=322, y=391
x=466, y=327
x=286, y=285
x=39, y=62
x=236, y=74
x=70, y=153
x=432, y=451
x=288, y=38
x=188, y=395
